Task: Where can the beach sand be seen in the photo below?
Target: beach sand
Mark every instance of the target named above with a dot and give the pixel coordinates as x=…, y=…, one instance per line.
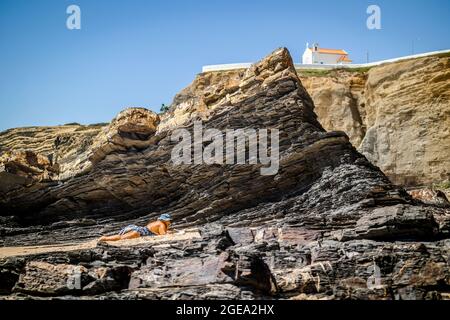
x=6, y=252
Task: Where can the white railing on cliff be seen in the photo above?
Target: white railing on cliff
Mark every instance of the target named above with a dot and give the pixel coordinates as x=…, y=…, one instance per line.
x=234, y=66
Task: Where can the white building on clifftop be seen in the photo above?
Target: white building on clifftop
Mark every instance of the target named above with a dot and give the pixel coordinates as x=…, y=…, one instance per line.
x=317, y=55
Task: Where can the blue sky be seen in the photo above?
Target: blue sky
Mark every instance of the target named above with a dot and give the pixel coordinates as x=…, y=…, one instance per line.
x=142, y=52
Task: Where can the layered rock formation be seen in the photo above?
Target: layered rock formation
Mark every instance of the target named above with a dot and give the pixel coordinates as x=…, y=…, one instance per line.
x=328, y=225
x=397, y=114
x=48, y=140
x=338, y=97
x=408, y=120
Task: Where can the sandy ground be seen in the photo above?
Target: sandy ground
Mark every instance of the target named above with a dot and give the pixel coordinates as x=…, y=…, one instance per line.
x=6, y=252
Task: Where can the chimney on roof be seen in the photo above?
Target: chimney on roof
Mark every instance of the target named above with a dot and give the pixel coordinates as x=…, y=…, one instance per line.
x=316, y=47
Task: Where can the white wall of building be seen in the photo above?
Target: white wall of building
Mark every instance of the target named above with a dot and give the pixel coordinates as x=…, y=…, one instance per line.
x=225, y=67
x=307, y=57
x=325, y=58
x=310, y=57
x=234, y=66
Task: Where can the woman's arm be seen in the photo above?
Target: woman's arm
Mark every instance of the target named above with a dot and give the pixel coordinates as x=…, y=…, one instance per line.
x=162, y=229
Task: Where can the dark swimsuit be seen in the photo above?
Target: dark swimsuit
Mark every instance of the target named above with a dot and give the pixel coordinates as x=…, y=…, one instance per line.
x=143, y=231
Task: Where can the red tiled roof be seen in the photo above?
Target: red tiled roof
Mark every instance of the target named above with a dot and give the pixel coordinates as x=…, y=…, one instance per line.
x=344, y=58
x=331, y=51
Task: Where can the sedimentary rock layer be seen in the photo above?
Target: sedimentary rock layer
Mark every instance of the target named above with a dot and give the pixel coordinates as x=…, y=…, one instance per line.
x=397, y=114
x=328, y=224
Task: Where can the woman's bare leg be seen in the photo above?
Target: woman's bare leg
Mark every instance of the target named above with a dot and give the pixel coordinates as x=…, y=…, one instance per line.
x=110, y=238
x=128, y=235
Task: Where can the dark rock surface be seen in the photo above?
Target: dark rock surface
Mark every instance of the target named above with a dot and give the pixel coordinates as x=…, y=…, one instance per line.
x=329, y=225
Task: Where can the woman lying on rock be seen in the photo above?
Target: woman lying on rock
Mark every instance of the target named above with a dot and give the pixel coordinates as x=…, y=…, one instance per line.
x=156, y=228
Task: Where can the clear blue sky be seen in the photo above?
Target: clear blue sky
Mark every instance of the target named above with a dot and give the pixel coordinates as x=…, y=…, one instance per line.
x=142, y=52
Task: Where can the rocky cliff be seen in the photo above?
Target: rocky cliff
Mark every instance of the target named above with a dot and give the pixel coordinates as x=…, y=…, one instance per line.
x=328, y=225
x=397, y=114
x=338, y=97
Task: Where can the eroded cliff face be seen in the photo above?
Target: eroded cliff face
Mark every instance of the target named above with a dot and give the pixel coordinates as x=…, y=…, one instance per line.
x=48, y=140
x=338, y=97
x=323, y=226
x=201, y=97
x=408, y=120
x=40, y=153
x=397, y=114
